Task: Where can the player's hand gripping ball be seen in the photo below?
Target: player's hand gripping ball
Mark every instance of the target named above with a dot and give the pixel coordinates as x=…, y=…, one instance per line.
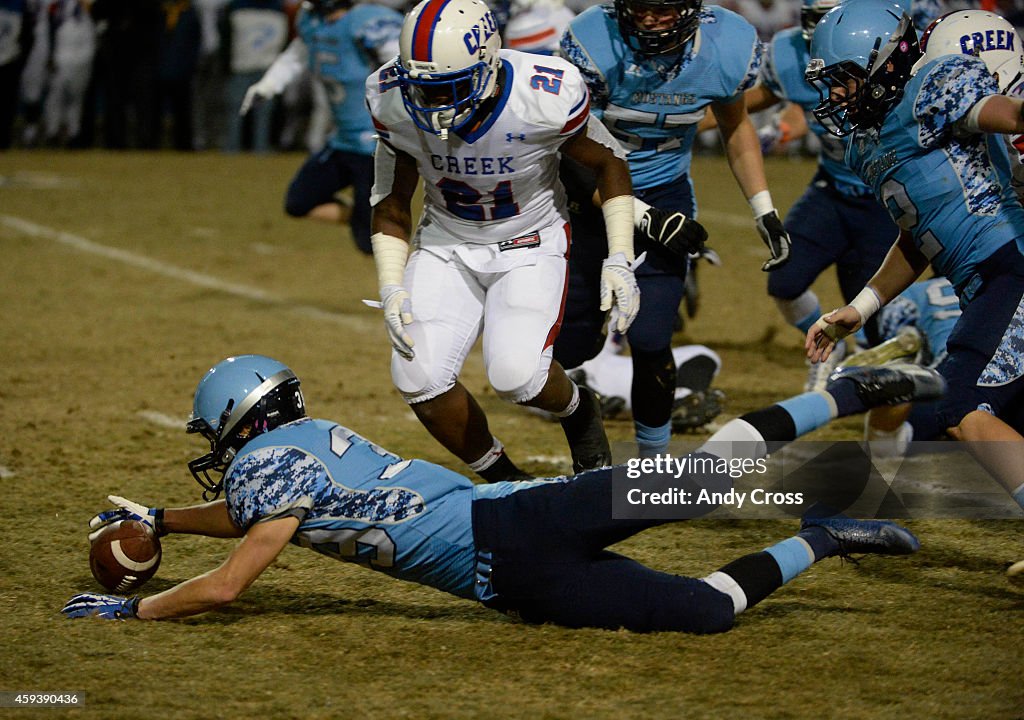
x=124, y=555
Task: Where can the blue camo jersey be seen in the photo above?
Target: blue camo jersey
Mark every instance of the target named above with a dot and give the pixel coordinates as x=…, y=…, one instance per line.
x=356, y=502
x=932, y=307
x=951, y=192
x=341, y=54
x=652, y=105
x=785, y=60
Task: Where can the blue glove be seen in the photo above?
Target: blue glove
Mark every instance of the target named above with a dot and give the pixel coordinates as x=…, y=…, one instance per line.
x=109, y=607
x=128, y=510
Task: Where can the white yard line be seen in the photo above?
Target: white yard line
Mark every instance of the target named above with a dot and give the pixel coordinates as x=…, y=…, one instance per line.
x=161, y=419
x=27, y=227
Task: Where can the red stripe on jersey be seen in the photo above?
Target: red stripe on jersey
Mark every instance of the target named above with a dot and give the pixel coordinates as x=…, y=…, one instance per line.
x=557, y=327
x=378, y=124
x=573, y=123
x=423, y=34
x=530, y=39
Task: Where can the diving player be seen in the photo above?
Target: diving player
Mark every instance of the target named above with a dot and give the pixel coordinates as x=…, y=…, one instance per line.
x=484, y=128
x=341, y=44
x=925, y=145
x=653, y=69
x=536, y=549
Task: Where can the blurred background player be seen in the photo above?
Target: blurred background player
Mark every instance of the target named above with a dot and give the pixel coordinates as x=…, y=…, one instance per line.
x=536, y=550
x=484, y=128
x=341, y=44
x=253, y=32
x=653, y=70
x=924, y=142
x=536, y=26
x=15, y=44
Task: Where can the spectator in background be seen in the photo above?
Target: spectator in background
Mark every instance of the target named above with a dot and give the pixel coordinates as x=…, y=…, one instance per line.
x=15, y=39
x=179, y=56
x=253, y=32
x=209, y=108
x=767, y=16
x=128, y=64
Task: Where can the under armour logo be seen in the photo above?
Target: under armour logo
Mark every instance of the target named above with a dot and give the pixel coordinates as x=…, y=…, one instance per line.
x=509, y=137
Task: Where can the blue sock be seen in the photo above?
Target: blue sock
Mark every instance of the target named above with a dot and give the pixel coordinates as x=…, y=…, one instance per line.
x=652, y=440
x=804, y=323
x=793, y=556
x=1018, y=496
x=809, y=411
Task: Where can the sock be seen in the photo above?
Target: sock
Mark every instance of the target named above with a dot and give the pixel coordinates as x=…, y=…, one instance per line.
x=495, y=466
x=748, y=580
x=652, y=440
x=1018, y=495
x=809, y=411
x=844, y=392
x=802, y=311
x=574, y=402
x=752, y=578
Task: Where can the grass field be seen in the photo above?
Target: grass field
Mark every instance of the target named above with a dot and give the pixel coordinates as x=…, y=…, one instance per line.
x=125, y=276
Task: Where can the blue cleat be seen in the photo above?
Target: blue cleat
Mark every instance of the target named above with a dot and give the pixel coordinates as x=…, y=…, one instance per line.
x=880, y=537
x=893, y=383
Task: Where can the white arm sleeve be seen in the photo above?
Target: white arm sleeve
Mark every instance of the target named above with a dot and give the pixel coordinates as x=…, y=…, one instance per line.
x=383, y=172
x=969, y=123
x=287, y=66
x=386, y=51
x=597, y=132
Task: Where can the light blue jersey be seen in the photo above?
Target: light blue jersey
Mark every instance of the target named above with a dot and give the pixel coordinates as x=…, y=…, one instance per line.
x=652, y=104
x=932, y=307
x=951, y=192
x=357, y=502
x=341, y=54
x=785, y=60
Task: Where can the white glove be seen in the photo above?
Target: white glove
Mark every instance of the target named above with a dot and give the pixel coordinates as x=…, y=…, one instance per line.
x=397, y=314
x=617, y=281
x=127, y=510
x=259, y=91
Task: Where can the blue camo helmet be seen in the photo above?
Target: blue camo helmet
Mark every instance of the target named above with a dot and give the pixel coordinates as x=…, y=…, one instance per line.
x=238, y=399
x=867, y=49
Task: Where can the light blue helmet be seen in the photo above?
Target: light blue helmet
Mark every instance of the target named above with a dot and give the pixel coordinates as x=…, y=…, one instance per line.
x=238, y=399
x=866, y=49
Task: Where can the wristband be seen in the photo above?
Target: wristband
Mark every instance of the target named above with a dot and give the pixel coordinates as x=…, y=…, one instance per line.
x=619, y=214
x=866, y=303
x=761, y=203
x=390, y=255
x=639, y=209
x=158, y=522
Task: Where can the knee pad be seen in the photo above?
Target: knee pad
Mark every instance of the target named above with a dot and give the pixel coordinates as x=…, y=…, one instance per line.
x=518, y=381
x=418, y=383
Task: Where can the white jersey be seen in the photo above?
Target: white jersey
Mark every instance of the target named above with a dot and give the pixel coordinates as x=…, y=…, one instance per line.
x=498, y=182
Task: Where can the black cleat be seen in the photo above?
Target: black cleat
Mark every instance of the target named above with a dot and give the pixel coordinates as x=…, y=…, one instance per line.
x=892, y=384
x=696, y=373
x=696, y=410
x=584, y=432
x=879, y=537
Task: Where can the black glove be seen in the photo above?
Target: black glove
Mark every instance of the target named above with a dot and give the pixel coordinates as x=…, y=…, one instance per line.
x=675, y=232
x=776, y=238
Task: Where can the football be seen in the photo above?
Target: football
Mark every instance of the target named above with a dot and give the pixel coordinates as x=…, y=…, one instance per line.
x=124, y=555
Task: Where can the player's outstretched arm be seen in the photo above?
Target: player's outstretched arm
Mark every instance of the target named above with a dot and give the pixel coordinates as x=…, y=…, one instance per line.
x=743, y=151
x=282, y=72
x=998, y=114
x=210, y=519
x=756, y=98
x=391, y=224
x=260, y=546
x=615, y=188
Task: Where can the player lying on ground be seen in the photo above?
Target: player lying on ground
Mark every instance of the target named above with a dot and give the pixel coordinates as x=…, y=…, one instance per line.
x=533, y=548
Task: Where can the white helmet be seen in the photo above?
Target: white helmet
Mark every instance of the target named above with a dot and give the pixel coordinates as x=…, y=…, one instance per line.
x=982, y=34
x=447, y=62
